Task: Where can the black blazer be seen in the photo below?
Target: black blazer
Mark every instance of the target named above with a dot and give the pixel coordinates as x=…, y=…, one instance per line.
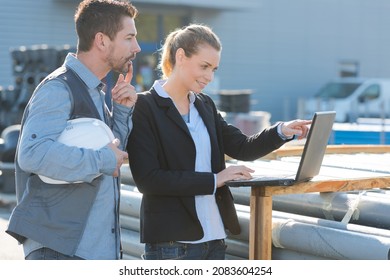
x=162, y=162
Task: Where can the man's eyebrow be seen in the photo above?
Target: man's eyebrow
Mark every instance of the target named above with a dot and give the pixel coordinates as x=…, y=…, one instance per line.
x=132, y=34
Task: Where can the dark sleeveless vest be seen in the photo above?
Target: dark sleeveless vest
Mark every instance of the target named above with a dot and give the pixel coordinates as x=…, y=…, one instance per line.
x=82, y=104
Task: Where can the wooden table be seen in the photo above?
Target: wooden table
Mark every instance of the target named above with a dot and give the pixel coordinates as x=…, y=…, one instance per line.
x=334, y=177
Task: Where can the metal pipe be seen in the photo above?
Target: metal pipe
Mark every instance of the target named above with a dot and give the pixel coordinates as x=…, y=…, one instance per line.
x=332, y=224
x=327, y=242
x=371, y=209
x=129, y=222
x=243, y=213
x=131, y=244
x=285, y=254
x=130, y=203
x=304, y=237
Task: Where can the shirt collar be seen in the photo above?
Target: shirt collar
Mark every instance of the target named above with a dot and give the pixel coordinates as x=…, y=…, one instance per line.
x=158, y=86
x=82, y=71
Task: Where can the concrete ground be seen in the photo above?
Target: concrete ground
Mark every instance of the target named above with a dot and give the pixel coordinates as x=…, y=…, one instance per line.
x=9, y=247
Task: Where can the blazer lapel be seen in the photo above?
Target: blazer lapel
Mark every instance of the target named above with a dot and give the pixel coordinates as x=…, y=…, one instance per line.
x=206, y=112
x=171, y=111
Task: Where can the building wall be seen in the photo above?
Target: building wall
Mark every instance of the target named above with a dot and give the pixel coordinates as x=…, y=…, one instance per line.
x=283, y=50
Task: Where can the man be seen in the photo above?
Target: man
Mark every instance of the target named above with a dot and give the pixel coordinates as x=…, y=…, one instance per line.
x=80, y=219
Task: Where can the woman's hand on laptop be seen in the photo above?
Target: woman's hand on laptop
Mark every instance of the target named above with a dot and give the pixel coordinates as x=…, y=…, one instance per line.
x=295, y=128
x=234, y=172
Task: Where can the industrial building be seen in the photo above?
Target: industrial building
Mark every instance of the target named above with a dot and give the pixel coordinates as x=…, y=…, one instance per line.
x=280, y=51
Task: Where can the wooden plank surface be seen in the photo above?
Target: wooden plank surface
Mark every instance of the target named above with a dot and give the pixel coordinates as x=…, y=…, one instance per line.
x=340, y=185
x=294, y=150
x=344, y=168
x=357, y=168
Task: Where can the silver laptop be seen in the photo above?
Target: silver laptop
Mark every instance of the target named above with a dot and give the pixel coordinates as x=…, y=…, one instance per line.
x=311, y=159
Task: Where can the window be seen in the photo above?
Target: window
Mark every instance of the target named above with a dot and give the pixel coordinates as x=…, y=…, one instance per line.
x=337, y=90
x=152, y=30
x=371, y=93
x=147, y=28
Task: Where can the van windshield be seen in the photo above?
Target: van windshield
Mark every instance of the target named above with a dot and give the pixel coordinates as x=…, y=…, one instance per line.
x=337, y=90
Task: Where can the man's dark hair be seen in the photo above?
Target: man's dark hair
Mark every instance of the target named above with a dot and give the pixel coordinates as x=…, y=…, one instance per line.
x=93, y=16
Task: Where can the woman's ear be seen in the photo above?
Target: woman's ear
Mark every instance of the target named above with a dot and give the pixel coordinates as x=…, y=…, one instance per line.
x=180, y=55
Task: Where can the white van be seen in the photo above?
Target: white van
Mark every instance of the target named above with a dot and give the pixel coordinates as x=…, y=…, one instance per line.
x=351, y=98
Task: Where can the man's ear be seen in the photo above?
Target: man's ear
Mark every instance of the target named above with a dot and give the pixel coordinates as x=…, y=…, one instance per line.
x=101, y=41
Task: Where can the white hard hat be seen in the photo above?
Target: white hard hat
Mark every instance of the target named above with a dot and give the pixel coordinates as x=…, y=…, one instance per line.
x=83, y=133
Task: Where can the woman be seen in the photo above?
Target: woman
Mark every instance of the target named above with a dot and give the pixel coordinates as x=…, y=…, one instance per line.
x=177, y=153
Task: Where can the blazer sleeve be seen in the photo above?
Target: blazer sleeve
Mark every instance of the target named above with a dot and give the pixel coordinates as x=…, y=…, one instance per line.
x=237, y=145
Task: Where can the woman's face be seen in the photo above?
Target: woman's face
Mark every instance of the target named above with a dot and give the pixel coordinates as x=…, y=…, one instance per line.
x=198, y=70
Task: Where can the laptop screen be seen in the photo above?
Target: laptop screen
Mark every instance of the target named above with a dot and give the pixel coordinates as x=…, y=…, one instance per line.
x=315, y=146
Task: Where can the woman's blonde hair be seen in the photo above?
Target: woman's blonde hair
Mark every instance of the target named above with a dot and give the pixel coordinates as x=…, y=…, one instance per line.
x=188, y=38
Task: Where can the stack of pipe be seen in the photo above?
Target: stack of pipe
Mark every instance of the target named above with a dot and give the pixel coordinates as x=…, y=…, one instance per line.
x=368, y=208
x=294, y=236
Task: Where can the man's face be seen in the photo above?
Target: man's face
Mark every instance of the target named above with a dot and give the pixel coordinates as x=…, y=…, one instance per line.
x=124, y=47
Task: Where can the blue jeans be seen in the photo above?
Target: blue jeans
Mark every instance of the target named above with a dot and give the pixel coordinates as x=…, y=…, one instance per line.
x=211, y=250
x=49, y=254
